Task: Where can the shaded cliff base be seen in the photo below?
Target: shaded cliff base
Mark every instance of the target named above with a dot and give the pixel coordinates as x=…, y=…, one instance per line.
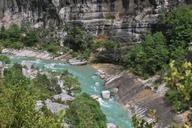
x=136, y=96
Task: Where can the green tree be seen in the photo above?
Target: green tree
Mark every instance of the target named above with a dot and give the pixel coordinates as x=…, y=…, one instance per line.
x=149, y=57
x=180, y=21
x=85, y=112
x=71, y=84
x=5, y=59
x=13, y=76
x=179, y=80
x=17, y=103
x=179, y=35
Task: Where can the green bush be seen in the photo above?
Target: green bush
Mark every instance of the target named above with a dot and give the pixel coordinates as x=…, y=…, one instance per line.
x=30, y=38
x=77, y=39
x=52, y=47
x=71, y=84
x=17, y=107
x=18, y=37
x=45, y=87
x=149, y=57
x=180, y=21
x=180, y=34
x=179, y=81
x=85, y=112
x=5, y=59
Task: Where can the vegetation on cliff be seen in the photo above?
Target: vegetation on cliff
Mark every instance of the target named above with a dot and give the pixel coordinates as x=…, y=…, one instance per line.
x=18, y=96
x=84, y=112
x=179, y=81
x=17, y=103
x=150, y=56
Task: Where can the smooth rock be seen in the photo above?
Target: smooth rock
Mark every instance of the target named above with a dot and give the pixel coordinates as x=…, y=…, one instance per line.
x=111, y=125
x=77, y=62
x=106, y=94
x=63, y=97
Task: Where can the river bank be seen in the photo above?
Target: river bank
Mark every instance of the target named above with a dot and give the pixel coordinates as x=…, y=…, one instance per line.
x=136, y=95
x=90, y=83
x=130, y=90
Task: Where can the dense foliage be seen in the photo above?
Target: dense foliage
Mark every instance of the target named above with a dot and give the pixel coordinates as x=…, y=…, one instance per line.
x=84, y=112
x=180, y=21
x=71, y=84
x=46, y=87
x=179, y=81
x=148, y=57
x=17, y=37
x=17, y=103
x=4, y=59
x=79, y=41
x=180, y=34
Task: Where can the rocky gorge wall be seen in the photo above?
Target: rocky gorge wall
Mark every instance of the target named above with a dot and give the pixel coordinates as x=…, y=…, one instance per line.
x=126, y=20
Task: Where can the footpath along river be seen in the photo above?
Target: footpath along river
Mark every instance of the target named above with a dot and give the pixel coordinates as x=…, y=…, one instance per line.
x=91, y=84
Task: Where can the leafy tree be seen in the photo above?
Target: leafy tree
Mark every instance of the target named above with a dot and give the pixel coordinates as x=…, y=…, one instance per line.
x=77, y=39
x=30, y=38
x=149, y=57
x=180, y=20
x=179, y=35
x=18, y=37
x=71, y=84
x=5, y=59
x=179, y=80
x=13, y=76
x=17, y=103
x=84, y=112
x=45, y=87
x=17, y=107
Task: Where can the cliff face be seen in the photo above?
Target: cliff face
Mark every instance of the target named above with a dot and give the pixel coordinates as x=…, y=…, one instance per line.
x=124, y=19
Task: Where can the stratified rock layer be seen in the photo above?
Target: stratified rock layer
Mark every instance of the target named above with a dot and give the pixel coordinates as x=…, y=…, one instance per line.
x=123, y=19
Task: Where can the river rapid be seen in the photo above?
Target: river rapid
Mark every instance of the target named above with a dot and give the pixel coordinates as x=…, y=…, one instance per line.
x=91, y=84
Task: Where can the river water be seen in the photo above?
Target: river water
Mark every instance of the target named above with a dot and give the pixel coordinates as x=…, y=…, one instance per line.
x=90, y=83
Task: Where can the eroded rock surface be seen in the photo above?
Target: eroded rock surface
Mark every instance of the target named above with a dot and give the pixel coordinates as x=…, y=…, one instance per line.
x=122, y=19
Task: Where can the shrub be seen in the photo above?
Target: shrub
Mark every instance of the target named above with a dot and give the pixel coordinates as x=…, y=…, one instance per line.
x=179, y=81
x=180, y=20
x=71, y=84
x=84, y=112
x=5, y=59
x=149, y=57
x=51, y=47
x=18, y=37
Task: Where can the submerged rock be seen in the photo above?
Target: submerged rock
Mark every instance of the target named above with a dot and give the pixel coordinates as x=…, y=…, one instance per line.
x=106, y=94
x=111, y=125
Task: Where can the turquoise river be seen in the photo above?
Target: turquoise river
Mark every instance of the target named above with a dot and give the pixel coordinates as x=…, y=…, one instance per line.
x=90, y=83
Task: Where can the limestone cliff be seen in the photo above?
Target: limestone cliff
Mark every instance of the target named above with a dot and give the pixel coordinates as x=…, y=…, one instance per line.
x=126, y=19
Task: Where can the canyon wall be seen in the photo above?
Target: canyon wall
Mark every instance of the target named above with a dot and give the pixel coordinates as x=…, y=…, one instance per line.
x=126, y=20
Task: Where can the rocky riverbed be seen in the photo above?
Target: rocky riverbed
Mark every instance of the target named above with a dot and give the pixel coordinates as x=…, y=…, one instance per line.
x=137, y=95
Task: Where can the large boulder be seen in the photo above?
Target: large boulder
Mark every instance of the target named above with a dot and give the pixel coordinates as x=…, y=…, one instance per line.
x=111, y=125
x=106, y=94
